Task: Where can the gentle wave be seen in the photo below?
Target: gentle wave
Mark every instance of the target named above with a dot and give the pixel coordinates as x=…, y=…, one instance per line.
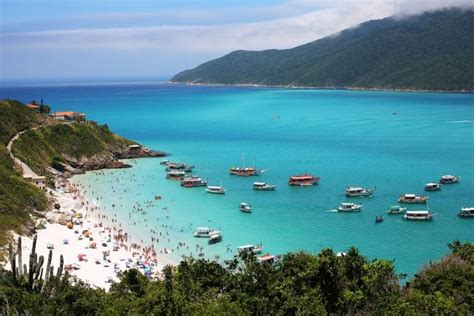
x=462, y=122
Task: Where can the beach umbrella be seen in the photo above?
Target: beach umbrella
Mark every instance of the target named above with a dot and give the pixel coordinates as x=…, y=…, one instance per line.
x=65, y=241
x=81, y=257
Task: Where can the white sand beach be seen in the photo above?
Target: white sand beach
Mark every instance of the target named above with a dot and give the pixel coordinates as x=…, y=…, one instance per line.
x=94, y=248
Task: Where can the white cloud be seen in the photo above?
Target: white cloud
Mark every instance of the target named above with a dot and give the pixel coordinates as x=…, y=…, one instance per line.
x=320, y=18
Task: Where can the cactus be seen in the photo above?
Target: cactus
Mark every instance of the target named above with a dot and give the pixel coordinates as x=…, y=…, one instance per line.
x=20, y=261
x=48, y=266
x=32, y=274
x=61, y=266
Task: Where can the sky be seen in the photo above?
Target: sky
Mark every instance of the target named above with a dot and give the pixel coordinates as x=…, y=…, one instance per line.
x=41, y=39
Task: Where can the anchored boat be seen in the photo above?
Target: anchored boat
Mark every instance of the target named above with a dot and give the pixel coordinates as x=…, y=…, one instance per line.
x=215, y=189
x=432, y=186
x=179, y=166
x=349, y=207
x=449, y=179
x=245, y=171
x=254, y=249
x=214, y=238
x=205, y=232
x=303, y=180
x=396, y=209
x=418, y=215
x=413, y=199
x=175, y=175
x=268, y=258
x=245, y=207
x=263, y=186
x=359, y=192
x=194, y=181
x=466, y=212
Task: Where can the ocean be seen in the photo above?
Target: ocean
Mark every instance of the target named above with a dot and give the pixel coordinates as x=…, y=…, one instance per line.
x=392, y=141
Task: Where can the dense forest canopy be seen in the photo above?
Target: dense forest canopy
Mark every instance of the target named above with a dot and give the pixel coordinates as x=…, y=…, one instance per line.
x=301, y=284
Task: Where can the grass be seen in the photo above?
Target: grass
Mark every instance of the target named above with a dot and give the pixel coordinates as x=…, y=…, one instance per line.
x=18, y=199
x=66, y=142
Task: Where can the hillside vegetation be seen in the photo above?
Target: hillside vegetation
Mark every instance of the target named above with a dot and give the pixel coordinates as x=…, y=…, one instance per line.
x=432, y=51
x=18, y=199
x=301, y=284
x=45, y=144
x=75, y=143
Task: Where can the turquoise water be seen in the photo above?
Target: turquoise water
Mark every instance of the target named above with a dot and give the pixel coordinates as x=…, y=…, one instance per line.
x=345, y=137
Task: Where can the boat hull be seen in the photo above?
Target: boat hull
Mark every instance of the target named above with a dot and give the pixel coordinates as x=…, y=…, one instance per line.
x=349, y=210
x=411, y=218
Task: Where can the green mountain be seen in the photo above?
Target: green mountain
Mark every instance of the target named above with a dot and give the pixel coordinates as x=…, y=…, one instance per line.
x=431, y=51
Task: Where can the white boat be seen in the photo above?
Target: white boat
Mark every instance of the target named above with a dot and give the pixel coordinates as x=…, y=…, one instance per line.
x=204, y=232
x=263, y=186
x=359, y=192
x=255, y=249
x=466, y=212
x=245, y=207
x=418, y=215
x=215, y=189
x=449, y=179
x=268, y=258
x=432, y=186
x=349, y=207
x=164, y=162
x=214, y=237
x=396, y=209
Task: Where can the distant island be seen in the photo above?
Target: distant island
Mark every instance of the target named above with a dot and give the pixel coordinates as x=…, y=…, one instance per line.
x=433, y=51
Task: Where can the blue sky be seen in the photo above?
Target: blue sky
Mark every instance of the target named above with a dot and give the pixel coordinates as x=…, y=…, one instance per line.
x=144, y=38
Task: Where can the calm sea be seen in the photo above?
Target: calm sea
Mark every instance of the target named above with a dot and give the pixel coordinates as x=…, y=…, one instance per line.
x=345, y=137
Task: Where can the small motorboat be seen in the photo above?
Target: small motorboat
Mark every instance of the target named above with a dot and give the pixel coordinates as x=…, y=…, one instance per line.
x=432, y=186
x=164, y=162
x=378, y=219
x=413, y=199
x=215, y=189
x=349, y=207
x=396, y=209
x=466, y=212
x=214, y=238
x=359, y=192
x=245, y=207
x=449, y=179
x=263, y=186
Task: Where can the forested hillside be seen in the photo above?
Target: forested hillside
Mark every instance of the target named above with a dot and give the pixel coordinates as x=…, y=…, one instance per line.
x=432, y=51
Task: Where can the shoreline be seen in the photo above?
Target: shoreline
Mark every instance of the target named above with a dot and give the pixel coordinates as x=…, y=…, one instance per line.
x=95, y=248
x=251, y=85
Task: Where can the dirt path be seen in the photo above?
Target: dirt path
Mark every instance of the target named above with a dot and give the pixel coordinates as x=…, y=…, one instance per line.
x=25, y=169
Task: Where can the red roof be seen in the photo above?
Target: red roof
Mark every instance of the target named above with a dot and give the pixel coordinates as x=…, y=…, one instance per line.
x=32, y=106
x=68, y=113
